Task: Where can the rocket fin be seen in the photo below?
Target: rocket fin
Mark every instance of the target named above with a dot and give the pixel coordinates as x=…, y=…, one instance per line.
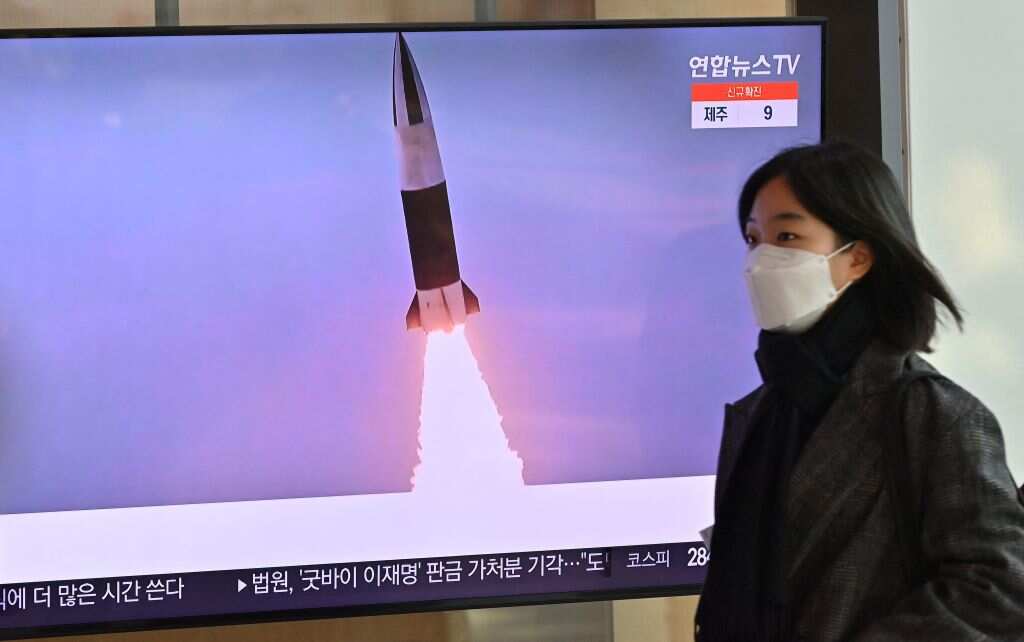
x=412, y=317
x=472, y=303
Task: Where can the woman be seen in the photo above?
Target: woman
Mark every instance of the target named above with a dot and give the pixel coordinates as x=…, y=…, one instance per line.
x=860, y=495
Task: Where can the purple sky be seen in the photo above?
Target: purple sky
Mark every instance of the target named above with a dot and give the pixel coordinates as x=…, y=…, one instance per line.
x=205, y=269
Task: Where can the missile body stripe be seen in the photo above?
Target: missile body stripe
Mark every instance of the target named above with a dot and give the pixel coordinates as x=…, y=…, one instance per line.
x=419, y=157
x=428, y=221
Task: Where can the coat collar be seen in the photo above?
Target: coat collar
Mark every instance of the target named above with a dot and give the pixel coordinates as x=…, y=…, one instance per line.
x=877, y=369
x=874, y=370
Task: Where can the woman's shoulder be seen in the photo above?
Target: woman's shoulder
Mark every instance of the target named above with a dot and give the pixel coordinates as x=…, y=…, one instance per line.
x=950, y=433
x=937, y=400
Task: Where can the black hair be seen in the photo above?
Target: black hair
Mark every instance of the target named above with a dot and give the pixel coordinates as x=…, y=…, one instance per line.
x=853, y=191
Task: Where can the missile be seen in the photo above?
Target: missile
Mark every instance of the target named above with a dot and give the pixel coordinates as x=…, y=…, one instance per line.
x=442, y=300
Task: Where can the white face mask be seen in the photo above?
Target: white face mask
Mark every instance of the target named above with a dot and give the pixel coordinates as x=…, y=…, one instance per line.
x=790, y=289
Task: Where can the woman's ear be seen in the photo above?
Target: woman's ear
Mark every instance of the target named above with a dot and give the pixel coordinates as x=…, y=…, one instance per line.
x=862, y=257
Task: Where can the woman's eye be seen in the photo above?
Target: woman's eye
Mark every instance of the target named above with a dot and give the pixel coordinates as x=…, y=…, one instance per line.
x=751, y=241
x=786, y=236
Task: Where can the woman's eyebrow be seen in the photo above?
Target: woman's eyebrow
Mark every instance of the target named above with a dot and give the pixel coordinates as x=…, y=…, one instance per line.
x=788, y=216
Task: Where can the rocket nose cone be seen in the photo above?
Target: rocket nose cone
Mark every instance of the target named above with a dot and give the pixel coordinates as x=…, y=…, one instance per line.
x=408, y=100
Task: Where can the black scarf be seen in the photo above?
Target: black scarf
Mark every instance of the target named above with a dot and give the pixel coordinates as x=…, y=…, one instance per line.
x=744, y=598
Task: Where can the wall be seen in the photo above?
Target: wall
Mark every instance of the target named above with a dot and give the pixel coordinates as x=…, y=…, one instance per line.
x=95, y=13
x=967, y=189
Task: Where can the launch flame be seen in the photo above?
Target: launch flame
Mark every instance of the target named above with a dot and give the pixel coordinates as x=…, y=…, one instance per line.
x=462, y=445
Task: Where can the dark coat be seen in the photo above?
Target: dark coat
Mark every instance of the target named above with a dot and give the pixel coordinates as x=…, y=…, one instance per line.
x=843, y=559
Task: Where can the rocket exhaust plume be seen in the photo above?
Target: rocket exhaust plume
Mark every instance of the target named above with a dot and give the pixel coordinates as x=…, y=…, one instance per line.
x=463, y=448
x=442, y=300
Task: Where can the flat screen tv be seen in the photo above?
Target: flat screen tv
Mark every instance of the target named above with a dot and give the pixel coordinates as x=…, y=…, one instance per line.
x=312, y=322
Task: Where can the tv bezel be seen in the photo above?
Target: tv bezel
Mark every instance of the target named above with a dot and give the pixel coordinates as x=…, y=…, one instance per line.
x=562, y=597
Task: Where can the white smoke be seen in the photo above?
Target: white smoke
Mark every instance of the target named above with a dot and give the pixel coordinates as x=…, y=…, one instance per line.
x=462, y=445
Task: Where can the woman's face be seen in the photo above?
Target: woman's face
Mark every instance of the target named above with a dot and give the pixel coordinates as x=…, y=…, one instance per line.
x=778, y=218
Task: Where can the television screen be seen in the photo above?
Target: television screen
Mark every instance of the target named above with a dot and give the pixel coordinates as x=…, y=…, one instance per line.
x=327, y=321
